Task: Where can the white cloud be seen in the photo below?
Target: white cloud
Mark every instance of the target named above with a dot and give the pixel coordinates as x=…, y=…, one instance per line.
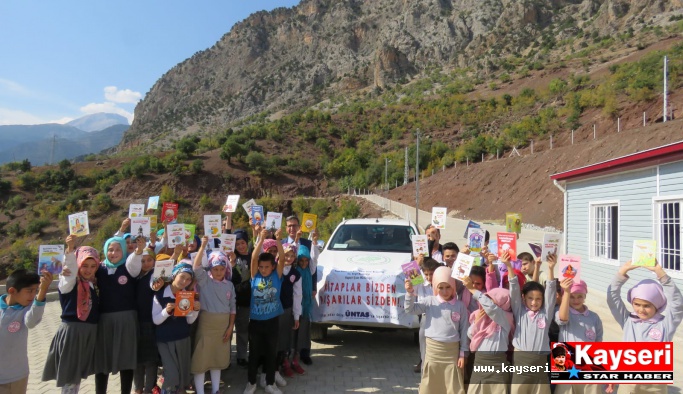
x=63, y=120
x=108, y=107
x=13, y=87
x=126, y=96
x=14, y=117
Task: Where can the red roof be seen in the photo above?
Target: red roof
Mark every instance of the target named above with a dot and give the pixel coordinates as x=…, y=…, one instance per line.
x=650, y=157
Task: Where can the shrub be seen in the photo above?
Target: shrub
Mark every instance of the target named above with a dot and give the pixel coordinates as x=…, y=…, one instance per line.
x=36, y=226
x=205, y=202
x=101, y=204
x=197, y=166
x=16, y=202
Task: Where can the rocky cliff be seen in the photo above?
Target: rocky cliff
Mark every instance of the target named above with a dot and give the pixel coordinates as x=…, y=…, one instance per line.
x=289, y=58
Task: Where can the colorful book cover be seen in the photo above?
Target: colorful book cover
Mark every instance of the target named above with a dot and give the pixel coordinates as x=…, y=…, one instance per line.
x=163, y=269
x=412, y=272
x=176, y=235
x=153, y=202
x=420, y=245
x=507, y=242
x=439, y=217
x=470, y=225
x=231, y=203
x=140, y=227
x=309, y=222
x=644, y=253
x=570, y=267
x=536, y=249
x=513, y=222
x=136, y=210
x=462, y=266
x=152, y=222
x=212, y=226
x=257, y=214
x=475, y=240
x=273, y=221
x=78, y=224
x=247, y=207
x=169, y=212
x=551, y=245
x=184, y=303
x=50, y=258
x=190, y=231
x=493, y=246
x=228, y=243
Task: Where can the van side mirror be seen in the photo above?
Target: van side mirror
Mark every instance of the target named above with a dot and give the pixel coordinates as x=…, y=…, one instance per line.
x=321, y=245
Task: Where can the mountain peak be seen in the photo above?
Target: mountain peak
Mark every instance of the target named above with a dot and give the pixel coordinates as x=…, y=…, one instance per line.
x=98, y=121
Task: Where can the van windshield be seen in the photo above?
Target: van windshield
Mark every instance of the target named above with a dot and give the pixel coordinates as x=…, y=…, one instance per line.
x=373, y=237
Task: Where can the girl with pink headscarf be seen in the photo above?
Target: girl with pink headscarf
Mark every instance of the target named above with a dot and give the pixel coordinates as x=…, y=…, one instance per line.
x=649, y=298
x=446, y=334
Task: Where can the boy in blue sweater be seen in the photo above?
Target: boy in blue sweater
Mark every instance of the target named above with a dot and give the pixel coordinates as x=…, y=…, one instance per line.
x=20, y=309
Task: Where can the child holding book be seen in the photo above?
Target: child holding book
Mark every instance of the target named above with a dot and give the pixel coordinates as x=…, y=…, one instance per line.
x=173, y=332
x=446, y=334
x=216, y=319
x=532, y=313
x=648, y=323
x=20, y=310
x=72, y=350
x=266, y=308
x=243, y=290
x=490, y=331
x=423, y=290
x=117, y=334
x=306, y=265
x=145, y=377
x=291, y=298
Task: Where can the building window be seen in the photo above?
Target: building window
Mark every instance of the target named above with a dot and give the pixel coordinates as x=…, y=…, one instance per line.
x=668, y=233
x=604, y=231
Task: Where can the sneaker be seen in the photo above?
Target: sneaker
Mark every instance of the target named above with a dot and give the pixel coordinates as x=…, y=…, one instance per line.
x=306, y=360
x=417, y=368
x=242, y=362
x=297, y=367
x=262, y=381
x=272, y=389
x=287, y=369
x=250, y=389
x=280, y=380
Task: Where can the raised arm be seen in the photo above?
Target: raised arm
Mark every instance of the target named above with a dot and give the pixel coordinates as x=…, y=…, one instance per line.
x=563, y=313
x=257, y=251
x=674, y=307
x=614, y=301
x=68, y=282
x=492, y=310
x=550, y=297
x=315, y=252
x=134, y=261
x=552, y=261
x=202, y=250
x=280, y=253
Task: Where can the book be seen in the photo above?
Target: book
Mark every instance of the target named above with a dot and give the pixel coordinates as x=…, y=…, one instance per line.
x=475, y=240
x=550, y=245
x=412, y=272
x=536, y=249
x=493, y=246
x=462, y=266
x=420, y=245
x=50, y=259
x=470, y=225
x=439, y=217
x=273, y=221
x=169, y=212
x=513, y=222
x=507, y=242
x=153, y=202
x=228, y=243
x=163, y=269
x=309, y=222
x=190, y=230
x=570, y=267
x=153, y=222
x=176, y=235
x=247, y=207
x=184, y=303
x=140, y=227
x=136, y=210
x=644, y=253
x=78, y=224
x=212, y=226
x=257, y=214
x=205, y=259
x=231, y=203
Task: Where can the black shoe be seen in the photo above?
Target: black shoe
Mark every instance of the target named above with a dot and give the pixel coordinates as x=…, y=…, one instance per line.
x=242, y=362
x=306, y=360
x=417, y=368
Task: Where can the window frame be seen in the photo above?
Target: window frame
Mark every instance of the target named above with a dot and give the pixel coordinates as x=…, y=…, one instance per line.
x=592, y=208
x=657, y=204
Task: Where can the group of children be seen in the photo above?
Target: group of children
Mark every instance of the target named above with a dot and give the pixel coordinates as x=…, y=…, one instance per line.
x=117, y=319
x=504, y=326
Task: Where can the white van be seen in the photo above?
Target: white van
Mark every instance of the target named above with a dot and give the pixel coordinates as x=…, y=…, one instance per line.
x=360, y=281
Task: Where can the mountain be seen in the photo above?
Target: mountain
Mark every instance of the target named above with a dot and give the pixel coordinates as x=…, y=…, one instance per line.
x=66, y=146
x=324, y=49
x=99, y=121
x=11, y=136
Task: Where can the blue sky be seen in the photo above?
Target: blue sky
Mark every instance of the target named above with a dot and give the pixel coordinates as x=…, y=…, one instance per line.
x=60, y=60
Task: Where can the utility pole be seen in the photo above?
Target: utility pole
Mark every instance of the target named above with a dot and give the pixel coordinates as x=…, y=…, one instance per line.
x=417, y=178
x=665, y=93
x=406, y=170
x=52, y=151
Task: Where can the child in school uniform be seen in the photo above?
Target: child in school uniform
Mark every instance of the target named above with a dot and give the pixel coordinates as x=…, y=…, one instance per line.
x=145, y=378
x=490, y=331
x=423, y=290
x=291, y=298
x=446, y=331
x=306, y=265
x=173, y=332
x=243, y=290
x=72, y=350
x=532, y=313
x=577, y=324
x=216, y=319
x=20, y=309
x=650, y=299
x=117, y=332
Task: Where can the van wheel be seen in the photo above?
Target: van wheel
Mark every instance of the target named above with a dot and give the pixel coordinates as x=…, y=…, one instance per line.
x=318, y=332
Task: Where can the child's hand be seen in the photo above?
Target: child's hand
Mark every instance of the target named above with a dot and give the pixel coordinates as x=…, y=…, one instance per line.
x=158, y=284
x=124, y=225
x=537, y=261
x=315, y=236
x=45, y=280
x=278, y=235
x=566, y=284
x=227, y=335
x=152, y=238
x=263, y=234
x=505, y=258
x=609, y=388
x=197, y=306
x=552, y=261
x=480, y=315
x=657, y=269
x=491, y=258
x=409, y=286
x=169, y=308
x=70, y=243
x=298, y=234
x=296, y=325
x=420, y=260
x=468, y=283
x=205, y=241
x=140, y=245
x=313, y=294
x=233, y=259
x=66, y=272
x=461, y=362
x=628, y=266
x=465, y=250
